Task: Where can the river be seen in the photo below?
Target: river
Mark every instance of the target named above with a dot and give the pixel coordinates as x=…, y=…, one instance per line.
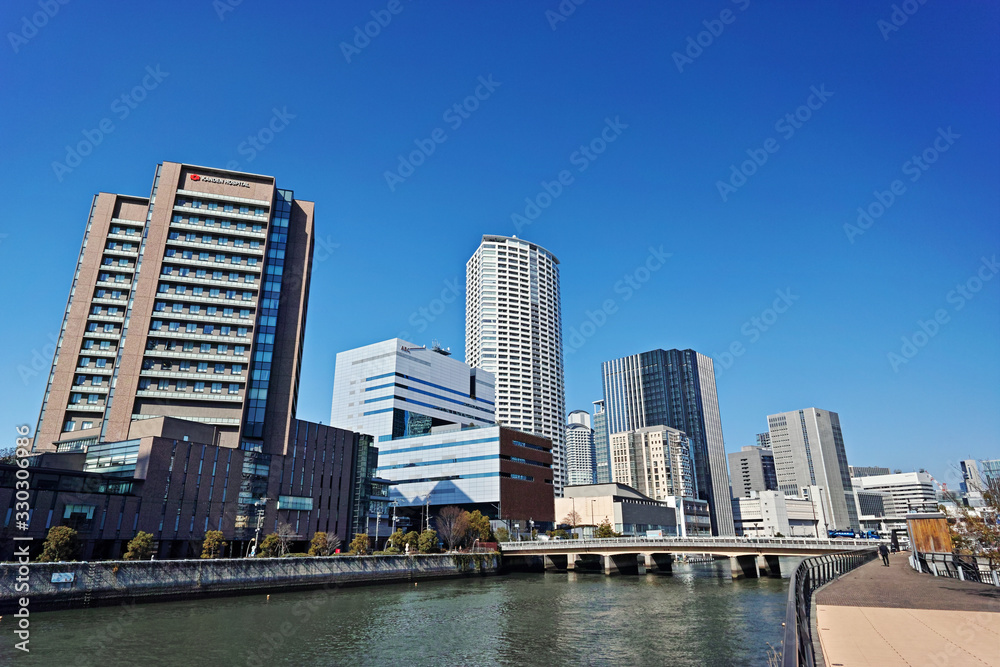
x=697, y=616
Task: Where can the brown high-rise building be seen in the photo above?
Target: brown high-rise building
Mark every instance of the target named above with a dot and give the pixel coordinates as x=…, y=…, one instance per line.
x=190, y=303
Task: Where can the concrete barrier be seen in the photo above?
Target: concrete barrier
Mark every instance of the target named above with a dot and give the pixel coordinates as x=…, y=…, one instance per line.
x=86, y=584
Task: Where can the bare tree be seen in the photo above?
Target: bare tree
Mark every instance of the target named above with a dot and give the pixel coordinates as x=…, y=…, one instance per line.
x=976, y=531
x=285, y=535
x=452, y=525
x=573, y=519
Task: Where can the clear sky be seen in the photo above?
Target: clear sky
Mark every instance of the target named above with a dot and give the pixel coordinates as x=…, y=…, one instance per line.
x=738, y=137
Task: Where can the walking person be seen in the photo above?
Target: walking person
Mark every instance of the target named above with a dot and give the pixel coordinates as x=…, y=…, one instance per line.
x=883, y=551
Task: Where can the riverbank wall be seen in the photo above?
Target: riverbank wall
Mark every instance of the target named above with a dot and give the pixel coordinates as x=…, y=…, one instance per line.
x=48, y=586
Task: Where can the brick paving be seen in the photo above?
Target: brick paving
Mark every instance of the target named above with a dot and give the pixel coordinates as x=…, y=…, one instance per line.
x=900, y=586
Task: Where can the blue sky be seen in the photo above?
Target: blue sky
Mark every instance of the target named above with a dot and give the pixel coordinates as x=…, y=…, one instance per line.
x=864, y=99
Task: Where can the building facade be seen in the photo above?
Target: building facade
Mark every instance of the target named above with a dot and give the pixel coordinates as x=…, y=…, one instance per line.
x=628, y=511
x=513, y=329
x=867, y=471
x=908, y=492
x=602, y=446
x=808, y=449
x=172, y=480
x=396, y=389
x=505, y=474
x=656, y=461
x=772, y=514
x=751, y=469
x=674, y=388
x=580, y=449
x=190, y=303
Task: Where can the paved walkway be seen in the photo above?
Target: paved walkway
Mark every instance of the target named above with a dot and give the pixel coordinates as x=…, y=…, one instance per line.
x=896, y=616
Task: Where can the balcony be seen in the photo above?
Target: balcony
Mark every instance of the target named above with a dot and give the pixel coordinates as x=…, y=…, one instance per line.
x=125, y=285
x=102, y=334
x=204, y=263
x=215, y=358
x=196, y=376
x=106, y=318
x=109, y=302
x=233, y=320
x=98, y=352
x=228, y=231
x=235, y=200
x=221, y=283
x=163, y=333
x=204, y=211
x=85, y=407
x=87, y=370
x=117, y=252
x=190, y=395
x=87, y=389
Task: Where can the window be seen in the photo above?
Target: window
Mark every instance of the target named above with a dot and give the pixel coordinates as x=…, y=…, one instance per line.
x=216, y=387
x=199, y=386
x=92, y=399
x=220, y=368
x=163, y=385
x=75, y=398
x=69, y=426
x=87, y=425
x=182, y=385
x=202, y=366
x=234, y=388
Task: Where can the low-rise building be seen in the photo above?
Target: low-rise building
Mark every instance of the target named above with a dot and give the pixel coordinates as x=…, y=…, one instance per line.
x=503, y=473
x=655, y=460
x=908, y=492
x=627, y=511
x=751, y=469
x=772, y=514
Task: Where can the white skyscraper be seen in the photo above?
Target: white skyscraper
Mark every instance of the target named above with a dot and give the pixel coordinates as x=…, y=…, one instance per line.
x=580, y=468
x=513, y=329
x=808, y=451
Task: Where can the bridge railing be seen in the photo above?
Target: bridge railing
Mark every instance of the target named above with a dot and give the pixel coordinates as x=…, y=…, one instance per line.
x=707, y=542
x=811, y=574
x=956, y=566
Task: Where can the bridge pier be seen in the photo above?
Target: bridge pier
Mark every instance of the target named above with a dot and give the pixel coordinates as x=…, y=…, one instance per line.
x=570, y=561
x=744, y=567
x=660, y=563
x=555, y=562
x=773, y=566
x=621, y=564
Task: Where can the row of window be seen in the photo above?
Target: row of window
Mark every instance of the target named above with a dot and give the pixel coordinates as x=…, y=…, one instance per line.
x=204, y=348
x=202, y=273
x=228, y=208
x=213, y=292
x=200, y=366
x=182, y=385
x=193, y=328
x=195, y=309
x=219, y=258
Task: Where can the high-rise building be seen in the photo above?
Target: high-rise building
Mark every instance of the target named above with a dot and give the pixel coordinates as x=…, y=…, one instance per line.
x=602, y=446
x=971, y=480
x=579, y=417
x=513, y=329
x=809, y=450
x=764, y=440
x=189, y=303
x=579, y=448
x=867, y=471
x=655, y=461
x=396, y=389
x=674, y=388
x=752, y=469
x=991, y=470
x=171, y=400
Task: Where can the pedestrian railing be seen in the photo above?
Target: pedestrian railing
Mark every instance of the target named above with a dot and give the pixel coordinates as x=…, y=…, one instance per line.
x=753, y=543
x=810, y=575
x=956, y=566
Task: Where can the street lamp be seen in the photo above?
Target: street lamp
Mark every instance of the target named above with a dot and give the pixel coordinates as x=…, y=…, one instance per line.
x=260, y=521
x=378, y=519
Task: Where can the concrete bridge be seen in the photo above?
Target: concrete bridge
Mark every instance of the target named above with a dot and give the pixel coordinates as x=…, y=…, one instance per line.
x=748, y=556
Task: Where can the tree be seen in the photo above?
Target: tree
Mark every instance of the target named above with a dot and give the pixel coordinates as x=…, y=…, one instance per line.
x=270, y=547
x=285, y=535
x=977, y=532
x=213, y=544
x=572, y=519
x=479, y=527
x=140, y=547
x=502, y=534
x=428, y=542
x=8, y=455
x=323, y=544
x=605, y=530
x=61, y=544
x=359, y=545
x=396, y=542
x=412, y=540
x=452, y=525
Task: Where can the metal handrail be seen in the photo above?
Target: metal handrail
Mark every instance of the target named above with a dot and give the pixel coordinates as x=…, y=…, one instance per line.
x=732, y=542
x=811, y=574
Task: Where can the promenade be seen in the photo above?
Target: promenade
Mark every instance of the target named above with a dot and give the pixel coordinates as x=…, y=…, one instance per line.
x=888, y=616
